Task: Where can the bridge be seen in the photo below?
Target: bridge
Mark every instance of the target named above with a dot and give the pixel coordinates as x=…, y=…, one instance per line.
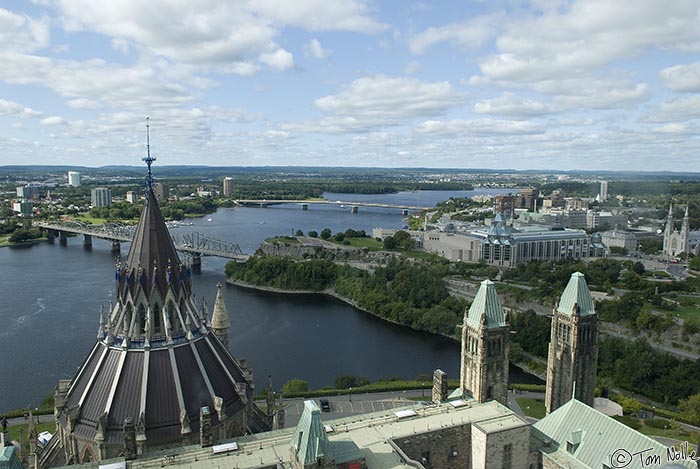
x=305, y=204
x=195, y=245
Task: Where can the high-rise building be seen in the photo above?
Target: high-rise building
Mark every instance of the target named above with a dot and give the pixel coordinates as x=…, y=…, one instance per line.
x=603, y=195
x=74, y=178
x=485, y=344
x=573, y=349
x=132, y=197
x=101, y=197
x=162, y=191
x=228, y=186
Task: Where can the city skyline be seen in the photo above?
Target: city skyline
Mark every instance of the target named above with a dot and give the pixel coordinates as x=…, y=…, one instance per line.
x=540, y=85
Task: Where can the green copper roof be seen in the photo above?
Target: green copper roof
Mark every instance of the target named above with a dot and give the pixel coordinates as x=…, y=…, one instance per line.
x=576, y=293
x=486, y=302
x=579, y=432
x=310, y=440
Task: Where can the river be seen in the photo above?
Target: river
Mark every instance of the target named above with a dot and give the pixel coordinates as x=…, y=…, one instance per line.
x=51, y=295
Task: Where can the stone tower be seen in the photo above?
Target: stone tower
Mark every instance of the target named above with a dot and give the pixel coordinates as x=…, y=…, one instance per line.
x=573, y=349
x=485, y=344
x=220, y=323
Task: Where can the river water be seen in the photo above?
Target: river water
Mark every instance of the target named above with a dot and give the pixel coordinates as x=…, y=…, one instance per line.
x=50, y=297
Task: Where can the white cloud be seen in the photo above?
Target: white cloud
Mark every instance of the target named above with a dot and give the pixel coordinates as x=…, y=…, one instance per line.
x=83, y=103
x=279, y=60
x=682, y=77
x=53, y=120
x=391, y=98
x=587, y=35
x=11, y=108
x=316, y=49
x=479, y=127
x=320, y=15
x=680, y=109
x=20, y=33
x=471, y=34
x=214, y=32
x=509, y=104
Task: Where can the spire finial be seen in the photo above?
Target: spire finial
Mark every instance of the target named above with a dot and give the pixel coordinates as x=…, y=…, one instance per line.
x=148, y=158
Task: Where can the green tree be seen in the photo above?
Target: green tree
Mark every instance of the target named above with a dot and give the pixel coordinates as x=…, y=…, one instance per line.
x=403, y=240
x=312, y=234
x=389, y=242
x=299, y=233
x=294, y=386
x=638, y=268
x=691, y=408
x=326, y=233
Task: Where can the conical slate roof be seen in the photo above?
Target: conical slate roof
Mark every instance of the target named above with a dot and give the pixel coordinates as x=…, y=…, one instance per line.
x=219, y=316
x=156, y=360
x=576, y=298
x=153, y=262
x=486, y=302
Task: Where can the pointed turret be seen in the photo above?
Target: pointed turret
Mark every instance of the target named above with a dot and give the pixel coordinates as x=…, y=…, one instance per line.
x=220, y=323
x=486, y=303
x=576, y=298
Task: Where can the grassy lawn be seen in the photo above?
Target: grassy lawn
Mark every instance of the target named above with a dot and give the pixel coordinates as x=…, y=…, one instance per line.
x=369, y=243
x=674, y=430
x=532, y=407
x=40, y=427
x=3, y=240
x=688, y=307
x=86, y=218
x=428, y=256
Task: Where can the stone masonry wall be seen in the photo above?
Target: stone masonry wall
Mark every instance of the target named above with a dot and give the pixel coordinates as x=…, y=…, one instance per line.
x=446, y=448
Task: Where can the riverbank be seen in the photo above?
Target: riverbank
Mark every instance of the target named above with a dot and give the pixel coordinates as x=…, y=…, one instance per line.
x=5, y=243
x=331, y=292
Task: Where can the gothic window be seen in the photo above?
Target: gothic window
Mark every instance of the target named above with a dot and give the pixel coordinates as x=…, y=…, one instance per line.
x=507, y=456
x=141, y=319
x=157, y=321
x=172, y=317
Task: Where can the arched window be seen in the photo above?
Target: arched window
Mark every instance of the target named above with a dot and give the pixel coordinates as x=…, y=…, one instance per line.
x=141, y=320
x=172, y=317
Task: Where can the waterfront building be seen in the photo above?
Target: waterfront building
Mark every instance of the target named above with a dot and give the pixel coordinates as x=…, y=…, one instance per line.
x=485, y=344
x=573, y=348
x=228, y=186
x=505, y=246
x=74, y=178
x=158, y=376
x=101, y=197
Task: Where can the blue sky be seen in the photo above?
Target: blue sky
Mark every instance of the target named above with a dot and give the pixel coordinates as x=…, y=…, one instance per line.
x=556, y=85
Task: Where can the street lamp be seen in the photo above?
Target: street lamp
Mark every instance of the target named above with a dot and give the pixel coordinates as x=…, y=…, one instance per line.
x=350, y=393
x=422, y=389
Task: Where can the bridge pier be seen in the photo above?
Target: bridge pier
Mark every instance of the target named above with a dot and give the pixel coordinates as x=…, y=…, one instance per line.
x=196, y=263
x=50, y=235
x=354, y=209
x=404, y=212
x=304, y=206
x=63, y=238
x=116, y=247
x=87, y=241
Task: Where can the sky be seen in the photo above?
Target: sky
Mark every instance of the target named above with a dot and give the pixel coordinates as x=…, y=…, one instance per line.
x=499, y=84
